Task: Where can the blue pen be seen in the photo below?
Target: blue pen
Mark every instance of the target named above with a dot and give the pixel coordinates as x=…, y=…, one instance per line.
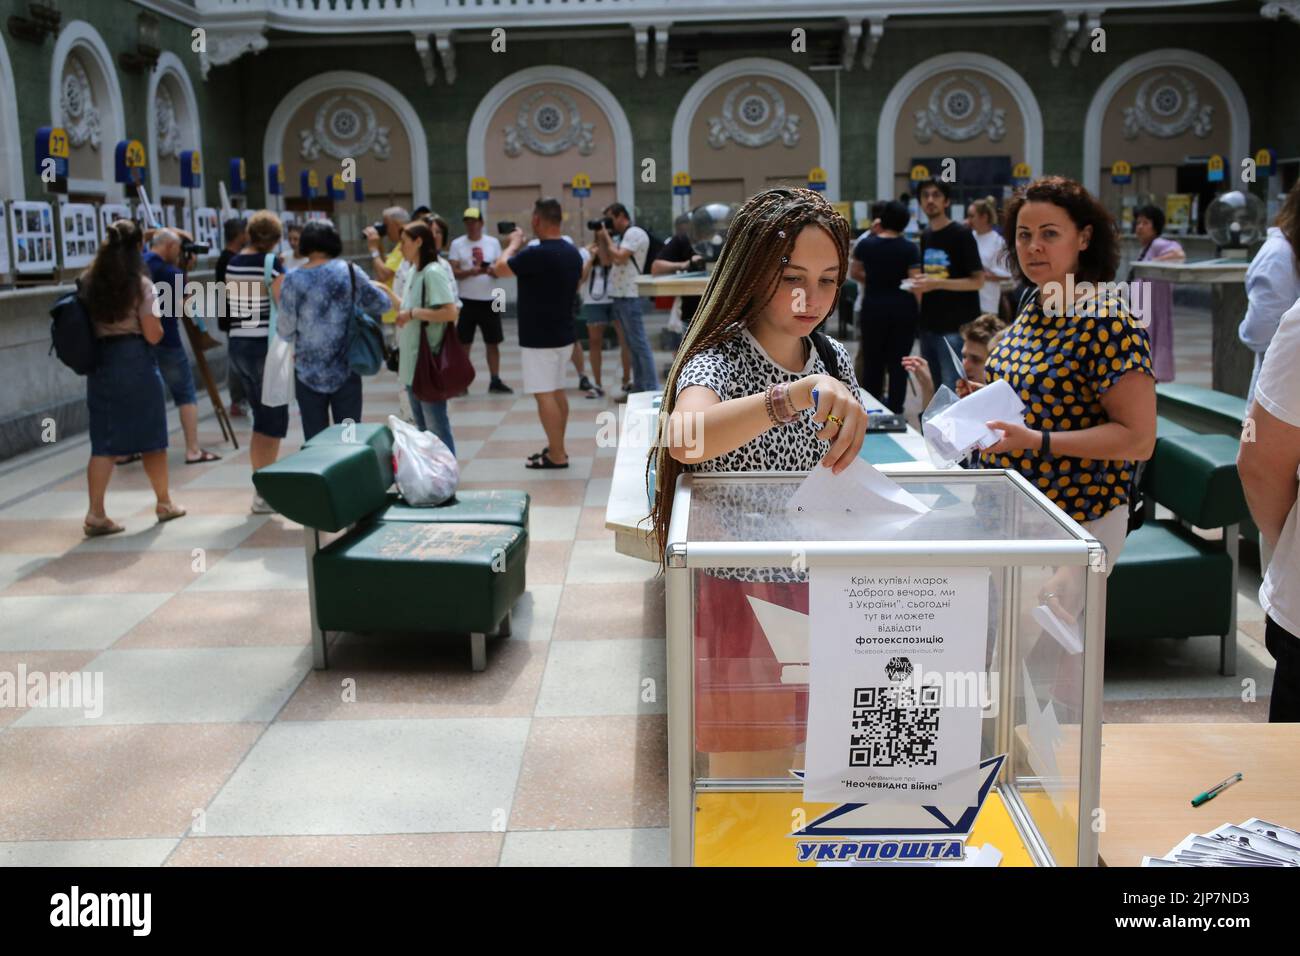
x=870, y=411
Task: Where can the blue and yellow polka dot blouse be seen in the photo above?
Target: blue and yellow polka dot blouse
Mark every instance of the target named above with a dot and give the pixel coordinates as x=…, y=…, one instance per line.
x=1061, y=367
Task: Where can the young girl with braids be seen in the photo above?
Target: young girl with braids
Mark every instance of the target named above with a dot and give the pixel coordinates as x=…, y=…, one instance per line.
x=741, y=388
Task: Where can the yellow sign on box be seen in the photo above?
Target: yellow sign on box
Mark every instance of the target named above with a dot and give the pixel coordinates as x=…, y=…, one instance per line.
x=135, y=154
x=920, y=173
x=681, y=179
x=479, y=184
x=59, y=142
x=1021, y=171
x=313, y=180
x=581, y=181
x=196, y=165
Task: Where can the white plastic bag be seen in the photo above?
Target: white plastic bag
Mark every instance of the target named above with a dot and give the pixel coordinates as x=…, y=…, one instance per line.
x=427, y=471
x=675, y=324
x=277, y=373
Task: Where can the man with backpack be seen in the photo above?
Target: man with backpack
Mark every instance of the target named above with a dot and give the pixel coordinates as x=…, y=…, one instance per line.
x=628, y=255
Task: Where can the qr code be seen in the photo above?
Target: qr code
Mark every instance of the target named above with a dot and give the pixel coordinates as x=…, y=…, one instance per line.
x=891, y=728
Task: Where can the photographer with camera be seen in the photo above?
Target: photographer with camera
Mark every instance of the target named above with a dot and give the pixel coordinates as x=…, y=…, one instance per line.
x=471, y=257
x=627, y=256
x=677, y=256
x=387, y=265
x=167, y=262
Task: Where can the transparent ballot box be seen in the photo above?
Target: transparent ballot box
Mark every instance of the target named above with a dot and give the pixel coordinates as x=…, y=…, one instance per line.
x=920, y=686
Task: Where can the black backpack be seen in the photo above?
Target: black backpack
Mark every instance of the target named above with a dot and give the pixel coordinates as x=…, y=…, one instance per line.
x=652, y=251
x=72, y=334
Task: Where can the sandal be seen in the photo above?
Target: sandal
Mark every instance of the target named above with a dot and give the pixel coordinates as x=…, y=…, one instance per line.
x=97, y=530
x=168, y=512
x=204, y=457
x=129, y=459
x=544, y=462
x=595, y=392
x=539, y=455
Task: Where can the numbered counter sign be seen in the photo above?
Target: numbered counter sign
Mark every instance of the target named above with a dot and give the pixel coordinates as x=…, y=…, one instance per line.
x=274, y=178
x=919, y=173
x=681, y=184
x=239, y=177
x=479, y=187
x=581, y=185
x=1021, y=174
x=1264, y=162
x=52, y=143
x=308, y=183
x=1215, y=169
x=817, y=179
x=1121, y=173
x=191, y=169
x=129, y=165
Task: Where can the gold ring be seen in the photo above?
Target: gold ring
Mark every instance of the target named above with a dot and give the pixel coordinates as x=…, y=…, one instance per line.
x=835, y=419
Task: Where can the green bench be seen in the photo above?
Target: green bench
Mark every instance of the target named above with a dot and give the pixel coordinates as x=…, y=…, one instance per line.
x=1169, y=581
x=1201, y=410
x=457, y=568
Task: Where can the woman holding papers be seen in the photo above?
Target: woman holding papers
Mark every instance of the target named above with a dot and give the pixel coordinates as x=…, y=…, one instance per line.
x=740, y=397
x=1078, y=361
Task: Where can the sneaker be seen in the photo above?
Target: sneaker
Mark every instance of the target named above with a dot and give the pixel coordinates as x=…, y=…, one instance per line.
x=595, y=392
x=500, y=387
x=584, y=384
x=260, y=507
x=238, y=410
x=627, y=387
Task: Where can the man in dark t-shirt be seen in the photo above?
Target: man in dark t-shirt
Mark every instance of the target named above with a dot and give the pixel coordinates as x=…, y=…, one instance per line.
x=677, y=255
x=948, y=291
x=548, y=275
x=235, y=233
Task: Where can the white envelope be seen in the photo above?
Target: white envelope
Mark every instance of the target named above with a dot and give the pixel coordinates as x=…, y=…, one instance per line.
x=859, y=490
x=961, y=427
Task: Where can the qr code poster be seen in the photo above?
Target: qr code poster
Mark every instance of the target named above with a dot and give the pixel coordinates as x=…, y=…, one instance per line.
x=897, y=686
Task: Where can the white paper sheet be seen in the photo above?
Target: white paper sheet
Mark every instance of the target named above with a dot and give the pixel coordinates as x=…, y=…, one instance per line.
x=858, y=498
x=962, y=426
x=1066, y=634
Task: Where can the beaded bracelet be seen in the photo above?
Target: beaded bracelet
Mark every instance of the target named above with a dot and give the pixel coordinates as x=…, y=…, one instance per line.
x=780, y=409
x=771, y=412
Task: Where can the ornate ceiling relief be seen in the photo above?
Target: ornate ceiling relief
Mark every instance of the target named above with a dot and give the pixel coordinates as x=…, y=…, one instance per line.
x=753, y=115
x=80, y=115
x=169, y=131
x=1167, y=105
x=345, y=126
x=548, y=123
x=960, y=108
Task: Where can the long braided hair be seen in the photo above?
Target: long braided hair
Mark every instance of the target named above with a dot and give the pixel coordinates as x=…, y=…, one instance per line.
x=747, y=276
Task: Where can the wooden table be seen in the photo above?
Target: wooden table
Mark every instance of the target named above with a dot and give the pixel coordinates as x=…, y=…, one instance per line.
x=685, y=283
x=1150, y=772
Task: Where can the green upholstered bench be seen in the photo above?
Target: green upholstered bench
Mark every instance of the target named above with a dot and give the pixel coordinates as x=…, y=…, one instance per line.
x=1201, y=409
x=1169, y=581
x=458, y=568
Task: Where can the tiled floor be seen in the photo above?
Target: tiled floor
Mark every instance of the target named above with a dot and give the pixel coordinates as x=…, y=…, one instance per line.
x=218, y=744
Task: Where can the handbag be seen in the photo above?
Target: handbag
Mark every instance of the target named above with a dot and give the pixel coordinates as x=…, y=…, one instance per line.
x=445, y=373
x=277, y=371
x=365, y=337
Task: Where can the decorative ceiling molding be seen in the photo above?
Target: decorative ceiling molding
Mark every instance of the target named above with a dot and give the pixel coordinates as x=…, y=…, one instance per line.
x=1275, y=11
x=345, y=126
x=960, y=109
x=228, y=46
x=642, y=34
x=549, y=123
x=759, y=118
x=1091, y=20
x=874, y=33
x=849, y=44
x=446, y=53
x=1166, y=105
x=1064, y=28
x=661, y=48
x=424, y=51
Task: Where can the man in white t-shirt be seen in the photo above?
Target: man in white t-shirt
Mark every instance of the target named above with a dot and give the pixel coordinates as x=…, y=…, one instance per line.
x=471, y=257
x=1270, y=469
x=627, y=256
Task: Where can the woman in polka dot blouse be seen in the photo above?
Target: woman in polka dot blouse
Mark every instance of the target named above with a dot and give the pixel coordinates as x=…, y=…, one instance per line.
x=1077, y=359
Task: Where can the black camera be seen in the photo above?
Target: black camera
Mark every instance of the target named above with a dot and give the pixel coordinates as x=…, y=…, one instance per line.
x=505, y=227
x=377, y=226
x=191, y=248
x=606, y=223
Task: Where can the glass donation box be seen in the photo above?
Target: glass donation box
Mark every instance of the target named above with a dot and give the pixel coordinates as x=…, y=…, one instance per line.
x=871, y=685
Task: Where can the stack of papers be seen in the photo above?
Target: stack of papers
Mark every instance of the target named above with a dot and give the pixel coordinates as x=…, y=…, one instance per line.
x=1254, y=843
x=962, y=427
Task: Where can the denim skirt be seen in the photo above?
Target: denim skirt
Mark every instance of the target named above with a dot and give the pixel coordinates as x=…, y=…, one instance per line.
x=128, y=406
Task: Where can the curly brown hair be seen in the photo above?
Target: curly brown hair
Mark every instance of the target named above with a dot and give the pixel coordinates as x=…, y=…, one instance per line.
x=111, y=286
x=1098, y=262
x=746, y=277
